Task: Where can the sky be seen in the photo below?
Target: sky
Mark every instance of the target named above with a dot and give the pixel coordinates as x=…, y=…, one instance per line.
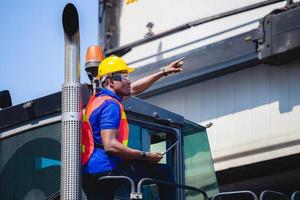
x=32, y=45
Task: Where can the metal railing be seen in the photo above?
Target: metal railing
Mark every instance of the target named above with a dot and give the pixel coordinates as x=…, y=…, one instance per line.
x=186, y=187
x=244, y=192
x=137, y=194
x=295, y=195
x=272, y=195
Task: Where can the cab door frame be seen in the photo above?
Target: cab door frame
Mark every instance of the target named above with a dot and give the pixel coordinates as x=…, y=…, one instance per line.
x=178, y=156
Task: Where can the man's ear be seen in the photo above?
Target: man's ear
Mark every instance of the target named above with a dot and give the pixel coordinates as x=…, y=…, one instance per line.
x=110, y=83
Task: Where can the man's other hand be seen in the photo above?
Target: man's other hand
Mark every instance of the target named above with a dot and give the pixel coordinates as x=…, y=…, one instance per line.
x=154, y=157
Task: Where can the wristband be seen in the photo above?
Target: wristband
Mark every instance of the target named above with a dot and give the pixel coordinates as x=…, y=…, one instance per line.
x=143, y=155
x=164, y=71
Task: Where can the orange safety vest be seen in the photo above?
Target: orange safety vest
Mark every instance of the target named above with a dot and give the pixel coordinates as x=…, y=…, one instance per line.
x=87, y=139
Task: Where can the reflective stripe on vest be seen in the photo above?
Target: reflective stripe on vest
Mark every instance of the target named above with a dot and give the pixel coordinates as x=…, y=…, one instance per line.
x=87, y=139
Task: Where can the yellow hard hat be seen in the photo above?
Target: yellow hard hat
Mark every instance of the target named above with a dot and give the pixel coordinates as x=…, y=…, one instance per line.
x=113, y=64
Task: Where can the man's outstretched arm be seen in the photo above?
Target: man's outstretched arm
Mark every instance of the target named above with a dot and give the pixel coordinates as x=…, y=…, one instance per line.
x=142, y=84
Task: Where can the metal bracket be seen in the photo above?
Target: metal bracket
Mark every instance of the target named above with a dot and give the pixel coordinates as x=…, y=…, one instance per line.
x=30, y=111
x=277, y=36
x=136, y=195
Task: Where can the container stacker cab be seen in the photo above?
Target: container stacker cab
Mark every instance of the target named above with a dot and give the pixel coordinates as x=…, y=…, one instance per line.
x=30, y=133
x=30, y=148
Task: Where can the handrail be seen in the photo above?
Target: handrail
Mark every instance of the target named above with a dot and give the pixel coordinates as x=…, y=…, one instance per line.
x=265, y=192
x=187, y=187
x=233, y=193
x=295, y=194
x=126, y=48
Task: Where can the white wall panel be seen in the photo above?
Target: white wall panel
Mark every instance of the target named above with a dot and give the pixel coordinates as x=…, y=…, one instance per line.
x=255, y=112
x=167, y=14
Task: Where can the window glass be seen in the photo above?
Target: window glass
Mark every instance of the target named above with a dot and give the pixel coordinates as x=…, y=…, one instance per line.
x=30, y=164
x=147, y=139
x=199, y=170
x=158, y=143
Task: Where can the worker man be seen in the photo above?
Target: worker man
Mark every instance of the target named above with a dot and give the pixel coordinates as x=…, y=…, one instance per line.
x=109, y=133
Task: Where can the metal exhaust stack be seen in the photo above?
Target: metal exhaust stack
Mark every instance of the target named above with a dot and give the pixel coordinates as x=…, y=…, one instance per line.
x=71, y=109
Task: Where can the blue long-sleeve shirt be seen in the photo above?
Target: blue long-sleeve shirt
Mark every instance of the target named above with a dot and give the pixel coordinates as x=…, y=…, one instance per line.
x=106, y=116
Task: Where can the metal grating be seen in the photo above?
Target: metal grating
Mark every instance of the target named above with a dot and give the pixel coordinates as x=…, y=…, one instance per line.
x=70, y=141
x=71, y=97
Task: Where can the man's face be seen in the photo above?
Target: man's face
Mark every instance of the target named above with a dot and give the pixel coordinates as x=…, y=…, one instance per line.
x=121, y=84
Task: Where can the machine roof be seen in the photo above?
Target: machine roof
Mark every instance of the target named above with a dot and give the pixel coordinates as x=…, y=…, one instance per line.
x=37, y=109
